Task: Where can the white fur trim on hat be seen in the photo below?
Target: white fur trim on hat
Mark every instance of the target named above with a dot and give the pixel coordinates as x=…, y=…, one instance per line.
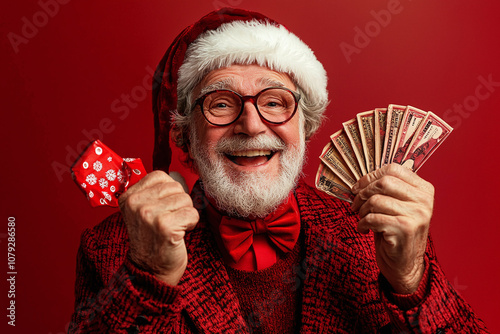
x=253, y=42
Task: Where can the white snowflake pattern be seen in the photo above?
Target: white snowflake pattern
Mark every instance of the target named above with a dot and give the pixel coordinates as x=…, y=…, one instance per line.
x=136, y=171
x=103, y=183
x=97, y=166
x=111, y=175
x=103, y=201
x=110, y=159
x=98, y=150
x=119, y=176
x=84, y=185
x=91, y=194
x=107, y=196
x=85, y=164
x=91, y=179
x=128, y=159
x=112, y=188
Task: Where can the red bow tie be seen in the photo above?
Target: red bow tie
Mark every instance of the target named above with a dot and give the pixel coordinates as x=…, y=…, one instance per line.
x=282, y=227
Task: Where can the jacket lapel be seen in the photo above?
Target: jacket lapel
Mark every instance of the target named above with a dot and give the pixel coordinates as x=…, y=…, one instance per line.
x=210, y=301
x=323, y=249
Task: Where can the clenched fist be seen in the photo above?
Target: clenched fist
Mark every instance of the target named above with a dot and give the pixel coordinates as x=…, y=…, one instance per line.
x=158, y=212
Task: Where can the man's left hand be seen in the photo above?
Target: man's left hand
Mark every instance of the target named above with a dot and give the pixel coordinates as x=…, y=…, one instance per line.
x=396, y=204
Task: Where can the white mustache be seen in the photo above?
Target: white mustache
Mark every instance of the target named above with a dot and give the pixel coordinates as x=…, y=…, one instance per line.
x=262, y=142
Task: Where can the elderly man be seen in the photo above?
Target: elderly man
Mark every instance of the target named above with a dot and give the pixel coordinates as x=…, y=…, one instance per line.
x=254, y=249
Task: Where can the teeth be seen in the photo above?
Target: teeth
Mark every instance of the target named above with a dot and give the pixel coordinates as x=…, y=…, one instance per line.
x=253, y=153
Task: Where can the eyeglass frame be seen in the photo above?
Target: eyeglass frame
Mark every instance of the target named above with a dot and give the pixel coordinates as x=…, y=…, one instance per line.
x=244, y=98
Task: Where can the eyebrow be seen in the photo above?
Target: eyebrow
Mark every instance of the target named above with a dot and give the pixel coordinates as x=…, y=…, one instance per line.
x=229, y=83
x=270, y=82
x=218, y=85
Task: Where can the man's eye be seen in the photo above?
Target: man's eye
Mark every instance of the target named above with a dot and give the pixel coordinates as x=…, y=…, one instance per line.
x=220, y=105
x=274, y=104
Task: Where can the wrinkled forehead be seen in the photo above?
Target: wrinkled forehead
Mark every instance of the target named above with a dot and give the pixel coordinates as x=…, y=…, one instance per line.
x=244, y=79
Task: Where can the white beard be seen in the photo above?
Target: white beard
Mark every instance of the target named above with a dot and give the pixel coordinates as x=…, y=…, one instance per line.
x=247, y=194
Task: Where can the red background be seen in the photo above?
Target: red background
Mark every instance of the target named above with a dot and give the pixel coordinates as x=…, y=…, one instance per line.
x=64, y=79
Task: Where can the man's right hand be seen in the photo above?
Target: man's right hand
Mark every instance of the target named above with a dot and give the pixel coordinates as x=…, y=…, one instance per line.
x=158, y=213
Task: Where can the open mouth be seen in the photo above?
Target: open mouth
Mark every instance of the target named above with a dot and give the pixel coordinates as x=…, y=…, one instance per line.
x=251, y=157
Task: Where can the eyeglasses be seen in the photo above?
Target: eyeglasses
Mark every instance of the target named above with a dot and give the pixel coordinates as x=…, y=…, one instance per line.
x=275, y=105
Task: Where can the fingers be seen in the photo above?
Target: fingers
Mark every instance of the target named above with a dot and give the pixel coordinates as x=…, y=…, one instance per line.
x=392, y=188
x=379, y=204
x=393, y=182
x=393, y=194
x=150, y=179
x=153, y=187
x=158, y=205
x=385, y=224
x=385, y=205
x=158, y=212
x=396, y=171
x=173, y=225
x=396, y=204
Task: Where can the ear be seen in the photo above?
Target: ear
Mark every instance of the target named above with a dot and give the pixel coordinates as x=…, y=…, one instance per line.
x=177, y=136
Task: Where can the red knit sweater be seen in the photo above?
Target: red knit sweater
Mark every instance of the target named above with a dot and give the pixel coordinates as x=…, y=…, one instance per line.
x=269, y=302
x=341, y=289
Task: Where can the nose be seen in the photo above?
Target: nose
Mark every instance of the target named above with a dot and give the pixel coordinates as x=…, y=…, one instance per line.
x=249, y=122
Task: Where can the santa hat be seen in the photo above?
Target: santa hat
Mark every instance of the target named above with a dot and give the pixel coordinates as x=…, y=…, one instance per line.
x=222, y=38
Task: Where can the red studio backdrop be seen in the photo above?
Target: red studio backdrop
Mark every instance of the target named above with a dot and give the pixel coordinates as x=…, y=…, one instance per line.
x=75, y=70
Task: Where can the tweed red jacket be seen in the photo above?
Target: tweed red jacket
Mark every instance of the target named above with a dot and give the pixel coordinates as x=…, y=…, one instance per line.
x=341, y=287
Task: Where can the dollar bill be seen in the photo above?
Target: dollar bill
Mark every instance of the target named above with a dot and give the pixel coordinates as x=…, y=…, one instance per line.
x=394, y=116
x=399, y=134
x=409, y=124
x=331, y=184
x=429, y=135
x=380, y=125
x=343, y=145
x=366, y=123
x=352, y=132
x=332, y=158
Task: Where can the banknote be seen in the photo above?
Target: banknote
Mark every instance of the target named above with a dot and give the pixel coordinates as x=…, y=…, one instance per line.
x=429, y=135
x=394, y=116
x=409, y=124
x=380, y=124
x=397, y=134
x=343, y=145
x=332, y=158
x=331, y=184
x=366, y=122
x=353, y=133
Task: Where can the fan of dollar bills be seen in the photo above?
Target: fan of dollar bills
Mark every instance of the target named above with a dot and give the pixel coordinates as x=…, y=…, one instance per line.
x=396, y=134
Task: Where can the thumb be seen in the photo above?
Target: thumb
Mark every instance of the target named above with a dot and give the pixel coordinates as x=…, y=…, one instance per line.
x=179, y=178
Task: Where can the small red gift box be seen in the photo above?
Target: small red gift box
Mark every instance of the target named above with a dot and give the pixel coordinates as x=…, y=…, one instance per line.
x=103, y=175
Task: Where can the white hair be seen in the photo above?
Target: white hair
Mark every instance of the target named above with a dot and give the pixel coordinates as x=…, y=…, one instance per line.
x=252, y=42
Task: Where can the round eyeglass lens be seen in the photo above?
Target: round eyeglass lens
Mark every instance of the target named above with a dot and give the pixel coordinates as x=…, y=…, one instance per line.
x=276, y=105
x=222, y=107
